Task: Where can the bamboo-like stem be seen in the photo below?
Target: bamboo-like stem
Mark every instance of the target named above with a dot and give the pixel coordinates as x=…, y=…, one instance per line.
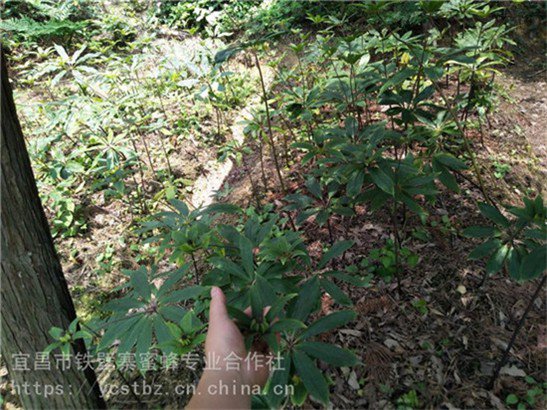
x=269, y=122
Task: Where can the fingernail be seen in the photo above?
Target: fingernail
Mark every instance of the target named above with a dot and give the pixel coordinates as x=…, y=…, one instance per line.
x=215, y=292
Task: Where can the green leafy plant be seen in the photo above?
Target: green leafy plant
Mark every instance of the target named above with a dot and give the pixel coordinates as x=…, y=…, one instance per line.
x=67, y=220
x=68, y=65
x=148, y=315
x=318, y=204
x=260, y=265
x=534, y=393
x=408, y=401
x=383, y=261
x=64, y=339
x=516, y=244
x=501, y=169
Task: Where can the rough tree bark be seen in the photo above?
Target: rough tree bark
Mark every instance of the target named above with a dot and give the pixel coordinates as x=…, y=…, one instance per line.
x=34, y=293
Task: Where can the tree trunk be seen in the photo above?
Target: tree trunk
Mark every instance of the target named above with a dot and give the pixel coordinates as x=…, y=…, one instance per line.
x=34, y=293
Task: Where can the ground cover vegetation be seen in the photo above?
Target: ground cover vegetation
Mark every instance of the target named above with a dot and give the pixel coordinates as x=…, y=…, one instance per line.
x=379, y=203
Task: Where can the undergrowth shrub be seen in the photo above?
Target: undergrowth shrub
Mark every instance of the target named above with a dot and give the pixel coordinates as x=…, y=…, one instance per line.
x=257, y=263
x=45, y=21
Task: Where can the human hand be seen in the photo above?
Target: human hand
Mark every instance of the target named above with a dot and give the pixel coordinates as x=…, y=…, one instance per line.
x=224, y=339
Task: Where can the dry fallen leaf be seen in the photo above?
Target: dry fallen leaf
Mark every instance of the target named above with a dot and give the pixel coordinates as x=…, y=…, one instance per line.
x=352, y=381
x=512, y=371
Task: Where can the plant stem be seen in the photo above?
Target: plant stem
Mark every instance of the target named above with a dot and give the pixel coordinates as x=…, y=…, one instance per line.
x=353, y=91
x=330, y=231
x=269, y=121
x=397, y=247
x=161, y=136
x=194, y=262
x=505, y=356
x=261, y=158
x=253, y=185
x=465, y=143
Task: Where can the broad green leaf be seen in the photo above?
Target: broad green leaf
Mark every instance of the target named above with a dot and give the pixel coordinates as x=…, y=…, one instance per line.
x=344, y=277
x=314, y=186
x=328, y=322
x=484, y=249
x=379, y=199
x=62, y=52
x=398, y=78
x=336, y=250
x=82, y=334
x=280, y=377
x=123, y=304
x=49, y=349
x=246, y=253
x=480, y=232
x=307, y=300
x=412, y=205
x=239, y=315
x=431, y=6
x=493, y=214
x=534, y=264
x=227, y=265
x=512, y=399
x=56, y=332
x=73, y=326
x=172, y=313
x=190, y=323
x=257, y=303
x=514, y=261
x=267, y=293
x=311, y=376
x=450, y=161
x=223, y=208
x=300, y=394
x=180, y=206
x=116, y=330
x=412, y=260
x=128, y=340
x=433, y=73
x=383, y=181
x=329, y=353
x=139, y=281
x=161, y=330
x=448, y=180
x=278, y=306
x=191, y=292
x=144, y=342
x=337, y=294
x=65, y=349
x=287, y=325
x=224, y=55
x=355, y=183
x=173, y=278
x=496, y=261
x=534, y=234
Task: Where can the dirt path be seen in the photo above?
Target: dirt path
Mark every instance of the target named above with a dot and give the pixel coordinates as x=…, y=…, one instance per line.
x=529, y=103
x=216, y=172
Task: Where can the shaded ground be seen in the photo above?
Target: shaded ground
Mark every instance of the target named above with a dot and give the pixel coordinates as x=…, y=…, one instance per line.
x=527, y=110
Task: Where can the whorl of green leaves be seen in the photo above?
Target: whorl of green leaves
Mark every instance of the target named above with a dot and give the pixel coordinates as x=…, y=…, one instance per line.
x=516, y=242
